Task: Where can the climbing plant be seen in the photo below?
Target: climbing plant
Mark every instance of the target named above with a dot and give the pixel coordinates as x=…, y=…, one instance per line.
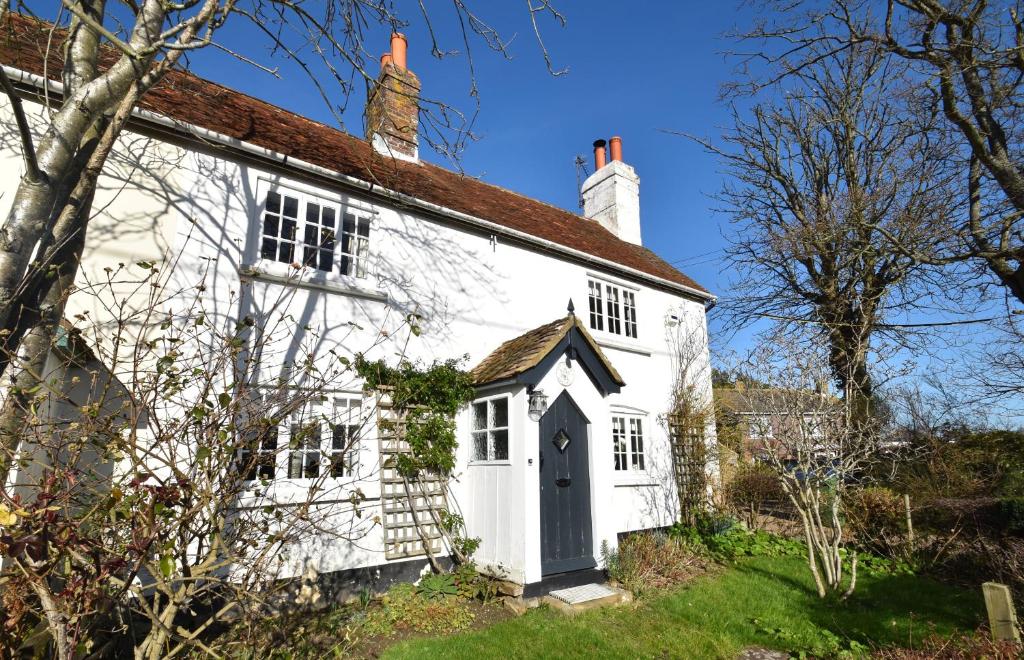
x=427, y=399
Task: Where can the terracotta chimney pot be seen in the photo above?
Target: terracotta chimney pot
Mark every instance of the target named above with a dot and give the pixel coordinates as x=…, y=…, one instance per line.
x=399, y=49
x=385, y=60
x=616, y=144
x=599, y=154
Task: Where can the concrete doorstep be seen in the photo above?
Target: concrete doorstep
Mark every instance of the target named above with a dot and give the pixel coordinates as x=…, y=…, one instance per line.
x=574, y=600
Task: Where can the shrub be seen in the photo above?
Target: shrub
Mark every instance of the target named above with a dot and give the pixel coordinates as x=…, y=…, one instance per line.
x=1011, y=515
x=437, y=585
x=471, y=584
x=752, y=489
x=404, y=608
x=738, y=542
x=876, y=520
x=653, y=560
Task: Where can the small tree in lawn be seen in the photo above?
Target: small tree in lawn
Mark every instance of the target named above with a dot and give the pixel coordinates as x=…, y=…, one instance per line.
x=819, y=445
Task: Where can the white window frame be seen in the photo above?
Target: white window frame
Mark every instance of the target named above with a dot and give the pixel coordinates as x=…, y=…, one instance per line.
x=348, y=425
x=611, y=308
x=359, y=256
x=490, y=430
x=630, y=435
x=811, y=424
x=314, y=413
x=759, y=427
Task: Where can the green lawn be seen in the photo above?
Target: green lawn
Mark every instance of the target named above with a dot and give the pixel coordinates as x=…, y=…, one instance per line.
x=759, y=601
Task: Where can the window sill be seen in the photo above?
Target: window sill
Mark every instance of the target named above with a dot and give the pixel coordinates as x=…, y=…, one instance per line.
x=489, y=463
x=605, y=341
x=292, y=492
x=635, y=480
x=311, y=278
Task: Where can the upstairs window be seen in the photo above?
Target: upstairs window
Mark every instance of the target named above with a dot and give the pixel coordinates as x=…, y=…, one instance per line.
x=300, y=228
x=628, y=443
x=489, y=428
x=759, y=427
x=612, y=308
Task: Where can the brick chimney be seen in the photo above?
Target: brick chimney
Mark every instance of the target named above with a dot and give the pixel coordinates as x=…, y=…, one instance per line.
x=392, y=110
x=611, y=195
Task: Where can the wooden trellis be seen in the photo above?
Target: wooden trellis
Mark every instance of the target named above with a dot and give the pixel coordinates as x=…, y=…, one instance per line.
x=689, y=462
x=411, y=508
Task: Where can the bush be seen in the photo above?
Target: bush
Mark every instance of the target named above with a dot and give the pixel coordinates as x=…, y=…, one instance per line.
x=752, y=489
x=988, y=516
x=404, y=608
x=653, y=560
x=738, y=542
x=876, y=521
x=473, y=585
x=1011, y=515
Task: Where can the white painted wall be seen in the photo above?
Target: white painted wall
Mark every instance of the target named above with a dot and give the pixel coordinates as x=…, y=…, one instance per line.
x=200, y=212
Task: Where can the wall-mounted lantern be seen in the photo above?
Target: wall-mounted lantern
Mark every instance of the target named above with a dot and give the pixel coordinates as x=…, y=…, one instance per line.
x=538, y=404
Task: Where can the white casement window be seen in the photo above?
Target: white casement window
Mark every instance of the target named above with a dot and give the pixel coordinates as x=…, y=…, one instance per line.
x=346, y=431
x=812, y=427
x=628, y=443
x=629, y=313
x=489, y=429
x=322, y=440
x=305, y=437
x=759, y=426
x=612, y=308
x=301, y=228
x=596, y=306
x=258, y=456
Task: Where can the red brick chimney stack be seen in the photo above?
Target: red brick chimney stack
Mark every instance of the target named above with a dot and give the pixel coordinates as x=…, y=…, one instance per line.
x=392, y=110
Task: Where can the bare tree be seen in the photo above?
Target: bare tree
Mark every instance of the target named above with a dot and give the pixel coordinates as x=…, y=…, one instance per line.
x=113, y=56
x=819, y=447
x=823, y=173
x=968, y=62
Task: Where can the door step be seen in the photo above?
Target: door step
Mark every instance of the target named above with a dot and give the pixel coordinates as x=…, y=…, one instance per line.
x=585, y=597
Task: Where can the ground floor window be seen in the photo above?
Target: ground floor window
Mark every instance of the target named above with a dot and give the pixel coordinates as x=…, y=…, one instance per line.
x=323, y=439
x=489, y=429
x=628, y=443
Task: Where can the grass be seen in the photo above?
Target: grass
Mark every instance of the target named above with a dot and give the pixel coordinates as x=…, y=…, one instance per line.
x=756, y=602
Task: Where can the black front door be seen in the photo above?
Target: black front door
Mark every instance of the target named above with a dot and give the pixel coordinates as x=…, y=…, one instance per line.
x=566, y=537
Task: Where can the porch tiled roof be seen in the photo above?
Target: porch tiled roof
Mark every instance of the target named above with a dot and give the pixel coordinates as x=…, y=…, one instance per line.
x=519, y=355
x=31, y=45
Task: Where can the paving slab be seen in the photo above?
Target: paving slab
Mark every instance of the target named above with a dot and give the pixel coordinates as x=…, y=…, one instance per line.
x=584, y=597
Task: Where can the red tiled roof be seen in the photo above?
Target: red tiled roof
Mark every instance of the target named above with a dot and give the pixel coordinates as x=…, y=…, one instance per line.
x=187, y=98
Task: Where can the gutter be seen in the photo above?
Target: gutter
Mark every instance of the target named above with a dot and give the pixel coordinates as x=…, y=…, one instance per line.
x=193, y=131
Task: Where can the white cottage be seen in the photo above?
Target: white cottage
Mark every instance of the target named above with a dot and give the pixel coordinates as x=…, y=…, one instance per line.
x=564, y=449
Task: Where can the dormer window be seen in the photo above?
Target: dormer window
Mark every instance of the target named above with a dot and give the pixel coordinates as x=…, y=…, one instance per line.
x=612, y=308
x=301, y=228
